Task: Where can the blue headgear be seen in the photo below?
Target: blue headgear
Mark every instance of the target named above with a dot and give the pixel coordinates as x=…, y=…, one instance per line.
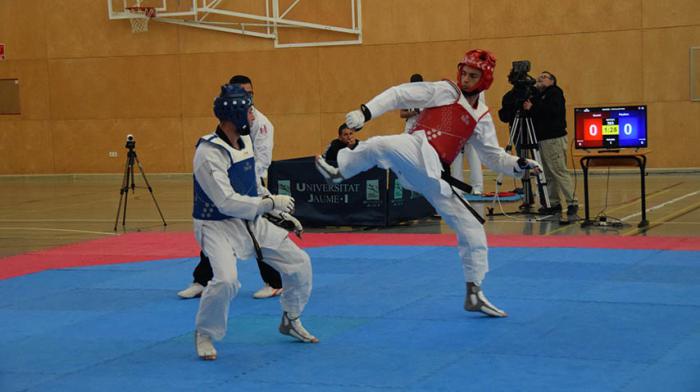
x=232, y=105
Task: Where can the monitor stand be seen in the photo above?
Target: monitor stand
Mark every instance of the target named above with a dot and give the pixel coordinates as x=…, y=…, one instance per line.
x=608, y=151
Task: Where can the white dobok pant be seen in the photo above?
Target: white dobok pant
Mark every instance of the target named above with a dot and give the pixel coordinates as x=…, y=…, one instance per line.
x=293, y=264
x=417, y=166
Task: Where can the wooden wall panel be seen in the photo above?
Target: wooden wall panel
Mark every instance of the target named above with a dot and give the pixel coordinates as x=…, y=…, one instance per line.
x=83, y=146
x=192, y=129
x=26, y=147
x=666, y=63
x=377, y=26
x=670, y=13
x=285, y=81
x=22, y=29
x=402, y=21
x=506, y=18
x=9, y=97
x=328, y=131
x=193, y=40
x=81, y=28
x=11, y=137
x=355, y=74
x=674, y=134
x=117, y=87
x=296, y=135
x=34, y=89
x=590, y=68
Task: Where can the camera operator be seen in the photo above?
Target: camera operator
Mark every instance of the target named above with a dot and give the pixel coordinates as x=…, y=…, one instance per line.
x=522, y=89
x=548, y=111
x=512, y=102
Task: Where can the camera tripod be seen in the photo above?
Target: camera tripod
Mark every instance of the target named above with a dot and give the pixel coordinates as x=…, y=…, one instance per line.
x=522, y=136
x=128, y=181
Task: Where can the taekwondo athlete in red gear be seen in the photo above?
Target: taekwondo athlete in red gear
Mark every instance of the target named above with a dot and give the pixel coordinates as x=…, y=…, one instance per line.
x=229, y=204
x=452, y=115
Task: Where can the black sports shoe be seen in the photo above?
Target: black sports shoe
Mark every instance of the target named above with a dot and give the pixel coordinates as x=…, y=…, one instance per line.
x=572, y=209
x=549, y=211
x=476, y=301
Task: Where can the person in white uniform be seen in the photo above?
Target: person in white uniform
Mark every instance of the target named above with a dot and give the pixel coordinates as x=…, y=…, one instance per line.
x=230, y=209
x=262, y=134
x=476, y=174
x=452, y=115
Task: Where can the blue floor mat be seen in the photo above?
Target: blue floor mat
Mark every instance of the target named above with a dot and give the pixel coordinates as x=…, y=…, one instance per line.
x=389, y=318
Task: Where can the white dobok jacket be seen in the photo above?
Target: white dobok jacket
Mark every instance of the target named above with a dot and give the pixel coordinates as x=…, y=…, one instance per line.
x=227, y=193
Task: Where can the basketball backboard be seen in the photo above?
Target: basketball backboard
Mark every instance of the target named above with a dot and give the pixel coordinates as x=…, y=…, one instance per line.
x=290, y=23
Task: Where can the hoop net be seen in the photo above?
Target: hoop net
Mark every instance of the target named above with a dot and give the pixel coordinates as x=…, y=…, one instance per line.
x=139, y=17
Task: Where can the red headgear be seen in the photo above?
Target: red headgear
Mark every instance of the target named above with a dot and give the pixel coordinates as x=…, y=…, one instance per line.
x=482, y=60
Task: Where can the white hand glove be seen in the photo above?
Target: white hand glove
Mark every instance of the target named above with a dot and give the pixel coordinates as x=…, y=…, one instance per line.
x=529, y=164
x=355, y=119
x=286, y=221
x=298, y=228
x=282, y=203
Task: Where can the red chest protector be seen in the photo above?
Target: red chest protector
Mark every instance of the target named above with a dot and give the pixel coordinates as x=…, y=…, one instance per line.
x=447, y=128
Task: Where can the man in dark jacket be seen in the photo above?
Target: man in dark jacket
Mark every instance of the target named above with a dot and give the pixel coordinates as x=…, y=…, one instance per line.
x=548, y=111
x=346, y=138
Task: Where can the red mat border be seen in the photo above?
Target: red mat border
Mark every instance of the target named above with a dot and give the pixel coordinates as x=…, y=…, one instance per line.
x=137, y=247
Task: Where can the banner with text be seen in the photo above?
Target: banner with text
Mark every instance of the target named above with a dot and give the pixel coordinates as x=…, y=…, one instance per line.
x=364, y=200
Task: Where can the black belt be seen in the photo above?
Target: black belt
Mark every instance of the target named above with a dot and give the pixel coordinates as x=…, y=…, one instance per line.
x=256, y=245
x=464, y=187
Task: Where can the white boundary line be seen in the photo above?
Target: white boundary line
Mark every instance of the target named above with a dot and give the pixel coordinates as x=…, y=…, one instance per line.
x=661, y=205
x=68, y=230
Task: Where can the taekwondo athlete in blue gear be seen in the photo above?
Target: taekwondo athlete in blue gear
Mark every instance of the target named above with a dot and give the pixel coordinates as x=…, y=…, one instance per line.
x=229, y=204
x=262, y=134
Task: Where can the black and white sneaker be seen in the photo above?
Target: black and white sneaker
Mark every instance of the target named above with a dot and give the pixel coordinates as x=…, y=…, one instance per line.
x=195, y=290
x=292, y=327
x=330, y=173
x=476, y=301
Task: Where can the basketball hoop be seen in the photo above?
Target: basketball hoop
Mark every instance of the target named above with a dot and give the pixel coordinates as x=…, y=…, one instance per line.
x=139, y=17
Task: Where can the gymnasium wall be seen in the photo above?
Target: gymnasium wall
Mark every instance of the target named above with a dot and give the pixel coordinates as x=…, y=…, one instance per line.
x=86, y=81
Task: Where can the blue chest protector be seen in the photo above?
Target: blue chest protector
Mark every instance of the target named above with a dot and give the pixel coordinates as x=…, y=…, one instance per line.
x=241, y=174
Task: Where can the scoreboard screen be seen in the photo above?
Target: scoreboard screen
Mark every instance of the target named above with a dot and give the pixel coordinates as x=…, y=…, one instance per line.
x=611, y=128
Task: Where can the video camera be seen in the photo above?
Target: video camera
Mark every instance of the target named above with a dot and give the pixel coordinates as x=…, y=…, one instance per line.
x=523, y=83
x=130, y=142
